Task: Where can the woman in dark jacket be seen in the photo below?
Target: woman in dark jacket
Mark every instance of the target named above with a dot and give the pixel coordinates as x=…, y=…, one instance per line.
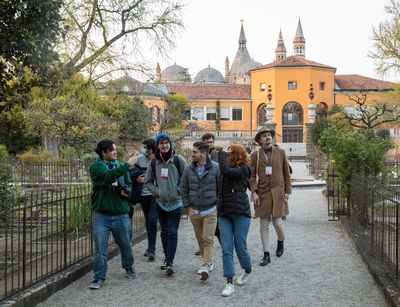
x=234, y=213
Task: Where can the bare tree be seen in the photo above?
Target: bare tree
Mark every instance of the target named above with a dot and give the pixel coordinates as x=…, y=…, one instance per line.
x=371, y=116
x=105, y=35
x=386, y=37
x=174, y=112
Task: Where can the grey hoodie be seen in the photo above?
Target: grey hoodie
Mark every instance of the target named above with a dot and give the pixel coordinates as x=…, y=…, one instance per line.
x=165, y=190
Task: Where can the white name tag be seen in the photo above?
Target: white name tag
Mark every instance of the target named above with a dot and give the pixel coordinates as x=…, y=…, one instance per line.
x=268, y=170
x=164, y=173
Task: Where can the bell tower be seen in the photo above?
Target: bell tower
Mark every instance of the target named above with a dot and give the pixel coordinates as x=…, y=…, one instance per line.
x=280, y=51
x=299, y=42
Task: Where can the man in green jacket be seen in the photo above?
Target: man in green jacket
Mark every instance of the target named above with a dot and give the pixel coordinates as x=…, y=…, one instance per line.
x=111, y=185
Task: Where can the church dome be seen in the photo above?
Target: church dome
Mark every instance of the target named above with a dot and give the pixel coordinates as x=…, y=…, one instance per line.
x=175, y=73
x=209, y=75
x=242, y=66
x=254, y=64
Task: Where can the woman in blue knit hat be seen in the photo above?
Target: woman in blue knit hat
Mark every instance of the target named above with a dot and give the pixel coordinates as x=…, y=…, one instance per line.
x=163, y=180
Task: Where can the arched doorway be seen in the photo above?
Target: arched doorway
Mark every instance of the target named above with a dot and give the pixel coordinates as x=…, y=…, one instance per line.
x=262, y=115
x=321, y=110
x=292, y=123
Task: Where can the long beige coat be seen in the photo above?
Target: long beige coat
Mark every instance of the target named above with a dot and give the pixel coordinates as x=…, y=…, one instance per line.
x=270, y=189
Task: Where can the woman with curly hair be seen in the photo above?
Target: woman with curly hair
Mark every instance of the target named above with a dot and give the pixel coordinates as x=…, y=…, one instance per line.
x=234, y=213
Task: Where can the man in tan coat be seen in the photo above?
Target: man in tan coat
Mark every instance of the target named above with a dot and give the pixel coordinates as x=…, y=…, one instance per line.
x=270, y=186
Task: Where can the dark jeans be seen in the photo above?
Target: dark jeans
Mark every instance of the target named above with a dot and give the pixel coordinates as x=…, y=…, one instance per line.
x=149, y=209
x=169, y=222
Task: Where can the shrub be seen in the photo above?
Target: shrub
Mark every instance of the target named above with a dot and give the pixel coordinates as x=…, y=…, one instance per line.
x=31, y=156
x=6, y=190
x=320, y=124
x=383, y=133
x=355, y=152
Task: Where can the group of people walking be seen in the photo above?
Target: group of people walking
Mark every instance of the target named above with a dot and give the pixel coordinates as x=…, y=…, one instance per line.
x=213, y=188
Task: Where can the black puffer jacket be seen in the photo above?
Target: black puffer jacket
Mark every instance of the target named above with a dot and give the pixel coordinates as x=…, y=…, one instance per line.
x=233, y=198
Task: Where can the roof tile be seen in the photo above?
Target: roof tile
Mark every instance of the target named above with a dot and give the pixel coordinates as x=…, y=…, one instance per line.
x=212, y=91
x=293, y=61
x=358, y=83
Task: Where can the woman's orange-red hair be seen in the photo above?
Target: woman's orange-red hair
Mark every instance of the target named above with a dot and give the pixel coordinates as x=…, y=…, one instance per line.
x=237, y=156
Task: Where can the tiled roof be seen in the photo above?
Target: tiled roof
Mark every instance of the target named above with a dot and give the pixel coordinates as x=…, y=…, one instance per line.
x=294, y=61
x=211, y=91
x=357, y=83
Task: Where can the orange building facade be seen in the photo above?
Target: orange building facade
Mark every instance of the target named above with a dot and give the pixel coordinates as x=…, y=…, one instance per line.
x=287, y=94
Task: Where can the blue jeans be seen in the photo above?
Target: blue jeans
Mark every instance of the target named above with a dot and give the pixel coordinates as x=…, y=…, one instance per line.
x=169, y=222
x=148, y=205
x=233, y=231
x=120, y=226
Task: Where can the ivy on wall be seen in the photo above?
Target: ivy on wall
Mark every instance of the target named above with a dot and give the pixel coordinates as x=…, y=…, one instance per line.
x=218, y=115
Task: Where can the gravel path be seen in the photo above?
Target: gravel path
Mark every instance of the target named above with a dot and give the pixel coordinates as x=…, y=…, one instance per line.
x=320, y=266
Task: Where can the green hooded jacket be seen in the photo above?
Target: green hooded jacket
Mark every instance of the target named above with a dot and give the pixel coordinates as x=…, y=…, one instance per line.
x=105, y=199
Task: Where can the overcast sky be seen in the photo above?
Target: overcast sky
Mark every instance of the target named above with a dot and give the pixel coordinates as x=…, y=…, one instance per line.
x=337, y=33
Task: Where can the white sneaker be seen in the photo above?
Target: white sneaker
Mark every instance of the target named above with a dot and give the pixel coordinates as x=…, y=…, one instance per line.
x=242, y=278
x=229, y=289
x=202, y=268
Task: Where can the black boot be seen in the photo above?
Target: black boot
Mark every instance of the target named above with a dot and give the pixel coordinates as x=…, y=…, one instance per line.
x=279, y=249
x=265, y=260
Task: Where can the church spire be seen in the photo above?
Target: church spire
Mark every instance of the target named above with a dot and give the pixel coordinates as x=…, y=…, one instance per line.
x=280, y=51
x=299, y=42
x=158, y=72
x=242, y=37
x=226, y=69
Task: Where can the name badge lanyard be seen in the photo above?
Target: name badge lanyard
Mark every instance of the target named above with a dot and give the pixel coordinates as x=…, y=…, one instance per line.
x=164, y=171
x=269, y=161
x=268, y=168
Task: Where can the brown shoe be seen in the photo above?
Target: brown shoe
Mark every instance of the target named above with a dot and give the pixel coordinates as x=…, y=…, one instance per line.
x=198, y=253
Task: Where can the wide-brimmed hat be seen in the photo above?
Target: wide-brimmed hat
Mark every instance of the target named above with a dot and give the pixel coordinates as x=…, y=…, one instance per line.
x=263, y=130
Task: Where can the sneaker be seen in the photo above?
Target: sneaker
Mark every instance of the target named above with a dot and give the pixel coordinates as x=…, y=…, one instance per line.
x=229, y=289
x=210, y=269
x=164, y=265
x=204, y=273
x=152, y=257
x=169, y=270
x=130, y=273
x=242, y=278
x=146, y=253
x=201, y=269
x=96, y=284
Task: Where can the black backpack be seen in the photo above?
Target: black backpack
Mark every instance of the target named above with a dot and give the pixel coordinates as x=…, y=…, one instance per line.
x=136, y=191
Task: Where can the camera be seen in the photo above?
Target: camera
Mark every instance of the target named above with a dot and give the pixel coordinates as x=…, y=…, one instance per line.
x=122, y=187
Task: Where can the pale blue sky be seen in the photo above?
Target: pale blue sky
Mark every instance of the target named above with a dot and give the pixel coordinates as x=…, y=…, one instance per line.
x=338, y=33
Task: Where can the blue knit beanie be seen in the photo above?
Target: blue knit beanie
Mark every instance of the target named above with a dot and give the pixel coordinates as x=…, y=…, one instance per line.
x=163, y=136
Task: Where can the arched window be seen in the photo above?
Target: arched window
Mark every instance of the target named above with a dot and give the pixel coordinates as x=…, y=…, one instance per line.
x=262, y=115
x=292, y=123
x=321, y=110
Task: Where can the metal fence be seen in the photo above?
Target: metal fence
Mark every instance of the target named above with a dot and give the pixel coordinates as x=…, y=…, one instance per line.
x=318, y=163
x=50, y=172
x=393, y=168
x=337, y=204
x=197, y=134
x=376, y=208
x=44, y=232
